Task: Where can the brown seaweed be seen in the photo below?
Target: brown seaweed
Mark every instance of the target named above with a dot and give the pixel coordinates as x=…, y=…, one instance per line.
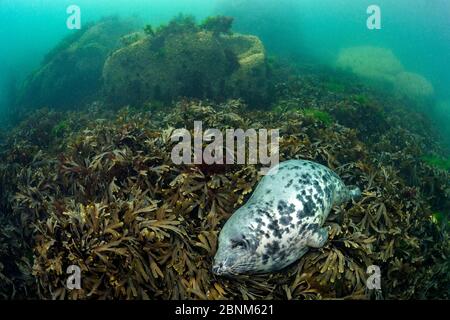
x=110, y=200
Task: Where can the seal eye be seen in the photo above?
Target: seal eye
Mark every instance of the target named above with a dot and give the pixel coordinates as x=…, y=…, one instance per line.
x=238, y=244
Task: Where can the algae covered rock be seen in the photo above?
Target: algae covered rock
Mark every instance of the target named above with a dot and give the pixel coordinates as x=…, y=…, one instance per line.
x=71, y=73
x=413, y=85
x=250, y=80
x=370, y=62
x=380, y=65
x=186, y=60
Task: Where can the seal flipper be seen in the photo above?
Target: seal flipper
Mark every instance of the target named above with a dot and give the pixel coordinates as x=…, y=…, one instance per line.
x=318, y=238
x=345, y=193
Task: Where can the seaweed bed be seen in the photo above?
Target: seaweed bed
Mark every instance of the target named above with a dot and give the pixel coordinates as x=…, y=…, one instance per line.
x=98, y=189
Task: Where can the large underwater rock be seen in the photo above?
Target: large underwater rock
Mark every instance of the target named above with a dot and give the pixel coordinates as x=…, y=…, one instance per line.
x=192, y=62
x=70, y=75
x=381, y=66
x=413, y=85
x=370, y=62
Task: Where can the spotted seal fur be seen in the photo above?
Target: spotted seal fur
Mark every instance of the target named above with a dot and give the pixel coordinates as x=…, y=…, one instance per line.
x=282, y=219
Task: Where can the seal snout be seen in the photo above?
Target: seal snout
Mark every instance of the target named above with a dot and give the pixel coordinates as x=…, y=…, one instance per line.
x=217, y=269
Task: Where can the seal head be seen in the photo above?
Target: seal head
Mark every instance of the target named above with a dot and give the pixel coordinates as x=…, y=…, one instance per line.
x=236, y=252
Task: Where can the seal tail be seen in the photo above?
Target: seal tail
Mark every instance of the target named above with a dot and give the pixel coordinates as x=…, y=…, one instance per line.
x=354, y=192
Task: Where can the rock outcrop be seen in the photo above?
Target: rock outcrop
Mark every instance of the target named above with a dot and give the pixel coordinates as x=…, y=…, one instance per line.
x=380, y=65
x=71, y=73
x=413, y=85
x=113, y=61
x=370, y=62
x=188, y=63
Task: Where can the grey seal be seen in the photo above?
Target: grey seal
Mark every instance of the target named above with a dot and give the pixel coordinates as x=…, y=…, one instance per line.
x=282, y=219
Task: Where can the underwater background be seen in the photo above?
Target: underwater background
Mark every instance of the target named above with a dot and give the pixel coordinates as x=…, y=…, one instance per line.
x=417, y=32
x=85, y=120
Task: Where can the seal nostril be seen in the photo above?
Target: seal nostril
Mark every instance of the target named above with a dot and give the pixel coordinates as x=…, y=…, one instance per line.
x=216, y=268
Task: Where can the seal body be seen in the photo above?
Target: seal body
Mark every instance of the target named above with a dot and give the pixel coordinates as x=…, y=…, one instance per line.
x=282, y=219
